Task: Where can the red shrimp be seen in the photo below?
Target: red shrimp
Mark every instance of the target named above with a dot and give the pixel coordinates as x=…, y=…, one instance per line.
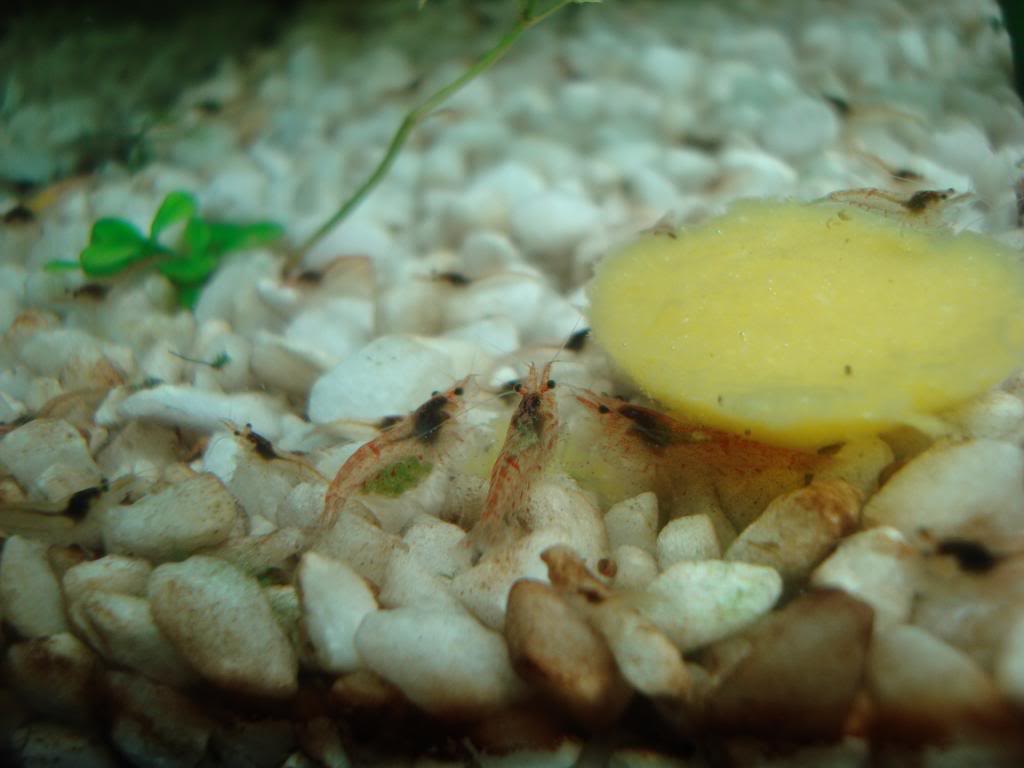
x=407, y=448
x=528, y=448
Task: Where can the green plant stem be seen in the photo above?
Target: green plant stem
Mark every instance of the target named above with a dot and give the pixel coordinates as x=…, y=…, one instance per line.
x=416, y=115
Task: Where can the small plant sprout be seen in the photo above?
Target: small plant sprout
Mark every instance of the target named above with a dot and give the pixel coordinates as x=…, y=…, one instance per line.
x=116, y=245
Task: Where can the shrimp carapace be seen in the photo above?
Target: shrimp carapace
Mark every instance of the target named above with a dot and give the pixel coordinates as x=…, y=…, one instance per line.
x=400, y=457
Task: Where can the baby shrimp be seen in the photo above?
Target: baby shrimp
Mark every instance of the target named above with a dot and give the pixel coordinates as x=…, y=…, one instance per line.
x=400, y=456
x=926, y=205
x=528, y=448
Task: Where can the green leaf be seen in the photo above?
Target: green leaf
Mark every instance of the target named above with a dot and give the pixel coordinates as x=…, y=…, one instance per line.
x=235, y=237
x=188, y=295
x=197, y=236
x=115, y=232
x=108, y=258
x=193, y=268
x=177, y=206
x=60, y=265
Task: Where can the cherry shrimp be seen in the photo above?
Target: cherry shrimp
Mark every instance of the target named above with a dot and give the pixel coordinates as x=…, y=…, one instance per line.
x=405, y=451
x=671, y=446
x=528, y=448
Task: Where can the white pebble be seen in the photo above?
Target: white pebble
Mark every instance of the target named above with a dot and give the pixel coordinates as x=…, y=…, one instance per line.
x=335, y=599
x=687, y=538
x=878, y=567
x=950, y=488
x=551, y=223
x=49, y=458
x=220, y=621
x=174, y=523
x=445, y=663
x=635, y=568
x=634, y=522
x=801, y=127
x=329, y=331
x=121, y=628
x=197, y=409
x=390, y=375
x=29, y=590
x=696, y=603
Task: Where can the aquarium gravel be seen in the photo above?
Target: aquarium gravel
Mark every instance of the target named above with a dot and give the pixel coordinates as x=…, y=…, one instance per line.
x=392, y=505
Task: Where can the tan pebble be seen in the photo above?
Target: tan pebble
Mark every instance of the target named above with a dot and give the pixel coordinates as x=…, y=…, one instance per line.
x=799, y=529
x=220, y=622
x=802, y=671
x=556, y=651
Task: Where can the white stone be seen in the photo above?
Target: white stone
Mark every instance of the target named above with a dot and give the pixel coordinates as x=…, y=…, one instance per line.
x=634, y=522
x=111, y=573
x=446, y=664
x=490, y=196
x=219, y=620
x=390, y=375
x=687, y=538
x=497, y=336
x=1009, y=670
x=335, y=599
x=754, y=173
x=203, y=411
x=799, y=128
x=971, y=487
x=513, y=296
x=174, y=523
x=330, y=331
x=361, y=544
x=878, y=567
x=408, y=584
x=635, y=568
x=486, y=251
x=49, y=458
x=551, y=223
x=440, y=547
x=121, y=629
x=671, y=69
x=29, y=590
x=696, y=603
x=995, y=414
x=278, y=364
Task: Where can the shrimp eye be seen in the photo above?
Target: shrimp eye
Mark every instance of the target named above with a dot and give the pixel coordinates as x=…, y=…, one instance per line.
x=457, y=391
x=603, y=409
x=551, y=384
x=435, y=393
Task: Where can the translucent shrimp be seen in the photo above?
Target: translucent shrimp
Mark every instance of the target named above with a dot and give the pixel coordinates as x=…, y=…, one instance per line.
x=678, y=457
x=400, y=457
x=528, y=448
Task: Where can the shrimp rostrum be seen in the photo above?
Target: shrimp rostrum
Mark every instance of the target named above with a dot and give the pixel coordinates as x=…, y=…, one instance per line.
x=400, y=457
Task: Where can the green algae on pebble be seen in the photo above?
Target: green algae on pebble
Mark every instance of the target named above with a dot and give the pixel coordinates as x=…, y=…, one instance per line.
x=808, y=324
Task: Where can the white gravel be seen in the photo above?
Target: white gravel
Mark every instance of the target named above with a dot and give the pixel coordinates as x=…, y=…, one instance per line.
x=202, y=567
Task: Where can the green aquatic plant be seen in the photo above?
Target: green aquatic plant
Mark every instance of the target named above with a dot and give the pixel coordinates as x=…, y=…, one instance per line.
x=529, y=16
x=116, y=245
